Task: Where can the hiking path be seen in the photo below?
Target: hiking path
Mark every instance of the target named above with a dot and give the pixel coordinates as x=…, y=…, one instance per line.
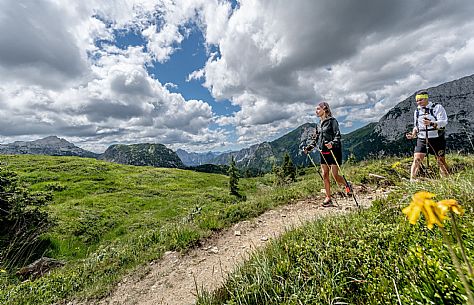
x=174, y=278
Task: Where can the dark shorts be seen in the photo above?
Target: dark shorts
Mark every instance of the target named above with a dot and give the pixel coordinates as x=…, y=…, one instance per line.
x=327, y=157
x=436, y=146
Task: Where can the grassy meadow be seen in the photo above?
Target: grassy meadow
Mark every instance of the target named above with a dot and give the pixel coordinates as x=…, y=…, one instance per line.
x=113, y=219
x=372, y=257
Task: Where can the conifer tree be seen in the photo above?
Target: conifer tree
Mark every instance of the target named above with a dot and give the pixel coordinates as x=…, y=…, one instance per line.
x=289, y=169
x=233, y=178
x=279, y=175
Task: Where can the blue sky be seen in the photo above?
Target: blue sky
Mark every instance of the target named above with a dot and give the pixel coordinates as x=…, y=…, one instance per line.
x=217, y=75
x=189, y=56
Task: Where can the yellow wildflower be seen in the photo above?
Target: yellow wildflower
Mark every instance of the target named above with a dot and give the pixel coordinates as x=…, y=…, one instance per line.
x=450, y=205
x=3, y=271
x=422, y=203
x=396, y=164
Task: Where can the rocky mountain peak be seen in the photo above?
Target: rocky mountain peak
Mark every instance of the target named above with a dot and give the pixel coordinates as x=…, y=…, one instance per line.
x=53, y=140
x=144, y=154
x=456, y=97
x=52, y=146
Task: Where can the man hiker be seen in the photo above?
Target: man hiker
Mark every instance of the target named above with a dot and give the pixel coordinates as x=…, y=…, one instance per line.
x=430, y=121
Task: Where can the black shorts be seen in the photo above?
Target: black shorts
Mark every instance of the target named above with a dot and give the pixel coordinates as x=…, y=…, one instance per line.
x=327, y=157
x=436, y=146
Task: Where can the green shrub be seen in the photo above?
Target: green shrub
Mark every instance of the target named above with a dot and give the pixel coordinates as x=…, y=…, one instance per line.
x=22, y=222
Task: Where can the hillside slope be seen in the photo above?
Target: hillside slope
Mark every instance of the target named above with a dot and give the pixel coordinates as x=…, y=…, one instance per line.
x=145, y=154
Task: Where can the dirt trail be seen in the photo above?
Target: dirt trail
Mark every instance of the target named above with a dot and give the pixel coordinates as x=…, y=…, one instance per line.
x=172, y=280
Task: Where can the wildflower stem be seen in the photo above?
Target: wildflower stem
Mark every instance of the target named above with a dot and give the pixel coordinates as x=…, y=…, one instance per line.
x=461, y=245
x=470, y=298
x=396, y=290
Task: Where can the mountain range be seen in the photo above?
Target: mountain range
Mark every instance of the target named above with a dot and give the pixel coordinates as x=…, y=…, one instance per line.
x=196, y=159
x=52, y=146
x=135, y=154
x=383, y=138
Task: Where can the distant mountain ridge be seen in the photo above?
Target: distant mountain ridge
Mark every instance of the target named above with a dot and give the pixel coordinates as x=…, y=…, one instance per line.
x=52, y=146
x=261, y=157
x=196, y=159
x=383, y=138
x=144, y=154
x=136, y=154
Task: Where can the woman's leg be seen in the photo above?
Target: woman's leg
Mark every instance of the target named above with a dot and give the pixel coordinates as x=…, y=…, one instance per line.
x=337, y=177
x=327, y=184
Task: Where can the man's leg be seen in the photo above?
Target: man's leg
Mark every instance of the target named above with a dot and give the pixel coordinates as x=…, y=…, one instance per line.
x=443, y=166
x=417, y=159
x=439, y=148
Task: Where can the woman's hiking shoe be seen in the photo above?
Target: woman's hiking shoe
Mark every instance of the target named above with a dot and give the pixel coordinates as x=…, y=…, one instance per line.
x=327, y=203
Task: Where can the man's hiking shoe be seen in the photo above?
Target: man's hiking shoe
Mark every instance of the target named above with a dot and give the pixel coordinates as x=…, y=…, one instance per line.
x=348, y=189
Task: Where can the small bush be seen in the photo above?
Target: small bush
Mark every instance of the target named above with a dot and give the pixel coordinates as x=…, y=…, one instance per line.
x=22, y=222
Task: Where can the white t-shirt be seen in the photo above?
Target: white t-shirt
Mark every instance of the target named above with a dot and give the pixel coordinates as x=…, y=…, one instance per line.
x=437, y=115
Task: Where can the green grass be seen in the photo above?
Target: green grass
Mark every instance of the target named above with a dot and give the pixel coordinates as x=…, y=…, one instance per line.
x=371, y=257
x=113, y=218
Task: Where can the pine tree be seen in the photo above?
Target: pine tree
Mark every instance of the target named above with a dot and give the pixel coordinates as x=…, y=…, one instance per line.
x=289, y=170
x=233, y=178
x=279, y=176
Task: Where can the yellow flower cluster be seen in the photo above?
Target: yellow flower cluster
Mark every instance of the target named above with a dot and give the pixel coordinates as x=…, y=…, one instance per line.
x=396, y=165
x=434, y=212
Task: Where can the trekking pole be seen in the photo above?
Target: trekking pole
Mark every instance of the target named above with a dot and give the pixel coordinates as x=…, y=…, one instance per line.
x=314, y=164
x=427, y=146
x=348, y=185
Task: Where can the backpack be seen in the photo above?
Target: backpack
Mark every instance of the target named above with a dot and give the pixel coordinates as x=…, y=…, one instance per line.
x=441, y=130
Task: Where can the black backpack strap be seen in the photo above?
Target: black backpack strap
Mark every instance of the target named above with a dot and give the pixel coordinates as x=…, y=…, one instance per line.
x=431, y=110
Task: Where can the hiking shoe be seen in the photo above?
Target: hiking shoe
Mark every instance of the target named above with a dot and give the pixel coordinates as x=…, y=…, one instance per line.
x=327, y=204
x=348, y=189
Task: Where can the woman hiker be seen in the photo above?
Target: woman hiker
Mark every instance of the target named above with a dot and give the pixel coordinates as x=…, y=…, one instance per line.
x=328, y=137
